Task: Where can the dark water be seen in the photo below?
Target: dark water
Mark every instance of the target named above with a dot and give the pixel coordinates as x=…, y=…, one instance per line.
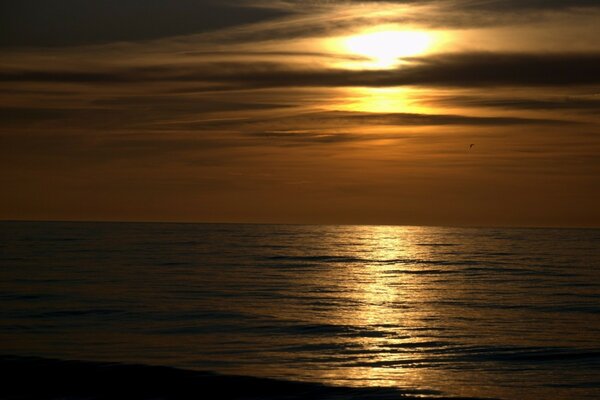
x=506, y=313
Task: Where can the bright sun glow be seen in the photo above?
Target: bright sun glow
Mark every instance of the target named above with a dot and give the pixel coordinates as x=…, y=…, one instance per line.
x=384, y=48
x=381, y=100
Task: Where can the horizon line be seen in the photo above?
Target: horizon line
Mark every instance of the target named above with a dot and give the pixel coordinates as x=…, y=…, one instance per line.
x=174, y=222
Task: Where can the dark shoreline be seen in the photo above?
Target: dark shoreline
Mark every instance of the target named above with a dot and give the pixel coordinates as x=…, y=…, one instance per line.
x=41, y=378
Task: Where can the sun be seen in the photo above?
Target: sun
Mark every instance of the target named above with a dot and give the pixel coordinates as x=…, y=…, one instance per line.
x=385, y=48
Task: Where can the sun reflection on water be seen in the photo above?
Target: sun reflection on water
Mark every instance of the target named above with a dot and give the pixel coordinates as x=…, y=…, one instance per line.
x=383, y=296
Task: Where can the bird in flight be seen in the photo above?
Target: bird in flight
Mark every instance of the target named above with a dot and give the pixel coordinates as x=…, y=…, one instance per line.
x=471, y=145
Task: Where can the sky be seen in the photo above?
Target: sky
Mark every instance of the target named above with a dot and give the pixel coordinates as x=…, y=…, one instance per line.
x=289, y=111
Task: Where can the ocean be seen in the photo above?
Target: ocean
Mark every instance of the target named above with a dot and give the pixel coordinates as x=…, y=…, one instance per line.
x=505, y=313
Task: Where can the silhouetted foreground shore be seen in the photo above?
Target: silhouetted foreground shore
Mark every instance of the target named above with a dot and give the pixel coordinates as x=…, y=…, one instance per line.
x=38, y=378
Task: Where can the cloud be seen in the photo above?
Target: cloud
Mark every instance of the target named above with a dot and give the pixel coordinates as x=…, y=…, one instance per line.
x=315, y=18
x=453, y=70
x=495, y=5
x=412, y=119
x=577, y=103
x=329, y=126
x=474, y=69
x=294, y=138
x=75, y=22
x=517, y=5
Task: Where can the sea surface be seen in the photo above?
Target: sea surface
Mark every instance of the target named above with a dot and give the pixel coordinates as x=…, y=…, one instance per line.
x=487, y=313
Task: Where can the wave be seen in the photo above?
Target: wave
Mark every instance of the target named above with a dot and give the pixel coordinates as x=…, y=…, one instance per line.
x=437, y=244
x=79, y=313
x=528, y=354
x=51, y=379
x=333, y=259
x=323, y=258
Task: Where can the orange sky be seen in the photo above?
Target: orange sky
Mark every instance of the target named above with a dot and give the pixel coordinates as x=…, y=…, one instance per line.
x=302, y=112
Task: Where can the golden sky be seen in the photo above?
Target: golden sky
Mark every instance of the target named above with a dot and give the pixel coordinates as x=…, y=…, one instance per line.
x=302, y=111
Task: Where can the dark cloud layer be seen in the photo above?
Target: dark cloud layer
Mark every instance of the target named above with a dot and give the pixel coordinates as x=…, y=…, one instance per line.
x=460, y=69
x=454, y=70
x=496, y=5
x=333, y=119
x=191, y=115
x=512, y=5
x=76, y=22
x=586, y=104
